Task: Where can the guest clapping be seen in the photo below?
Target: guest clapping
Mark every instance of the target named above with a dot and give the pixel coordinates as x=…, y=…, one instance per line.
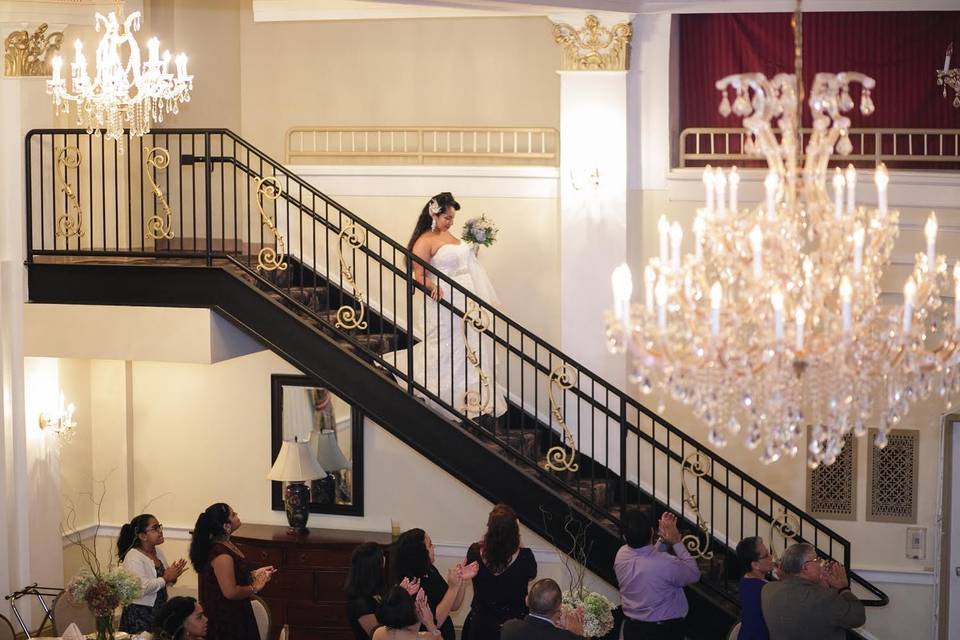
x=180, y=618
x=755, y=563
x=365, y=588
x=402, y=614
x=137, y=548
x=226, y=581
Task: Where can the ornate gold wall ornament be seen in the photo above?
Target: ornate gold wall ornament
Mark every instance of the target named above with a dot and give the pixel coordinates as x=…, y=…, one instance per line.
x=697, y=465
x=270, y=259
x=347, y=316
x=26, y=54
x=562, y=377
x=69, y=158
x=594, y=47
x=477, y=402
x=157, y=227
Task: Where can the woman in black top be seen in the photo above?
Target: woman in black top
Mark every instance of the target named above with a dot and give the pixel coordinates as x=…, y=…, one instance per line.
x=505, y=571
x=365, y=587
x=412, y=558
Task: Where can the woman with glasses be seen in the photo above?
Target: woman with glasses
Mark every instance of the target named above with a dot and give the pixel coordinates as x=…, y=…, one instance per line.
x=137, y=548
x=756, y=563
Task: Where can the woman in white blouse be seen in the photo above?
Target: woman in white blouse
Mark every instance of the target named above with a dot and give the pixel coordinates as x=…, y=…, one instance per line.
x=137, y=548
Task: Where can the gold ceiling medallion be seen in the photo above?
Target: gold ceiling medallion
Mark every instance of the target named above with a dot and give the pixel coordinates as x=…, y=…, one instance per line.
x=698, y=465
x=26, y=54
x=157, y=227
x=562, y=377
x=347, y=316
x=270, y=259
x=69, y=158
x=477, y=402
x=784, y=526
x=594, y=47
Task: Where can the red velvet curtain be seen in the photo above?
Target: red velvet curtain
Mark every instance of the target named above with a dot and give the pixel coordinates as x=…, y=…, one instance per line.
x=900, y=50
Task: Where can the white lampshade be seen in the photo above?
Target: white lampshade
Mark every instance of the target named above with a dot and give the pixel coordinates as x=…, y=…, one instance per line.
x=328, y=452
x=296, y=463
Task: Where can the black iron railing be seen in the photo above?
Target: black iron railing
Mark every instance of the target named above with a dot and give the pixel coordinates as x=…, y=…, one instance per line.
x=209, y=196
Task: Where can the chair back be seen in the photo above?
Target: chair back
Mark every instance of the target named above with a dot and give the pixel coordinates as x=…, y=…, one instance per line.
x=734, y=632
x=262, y=613
x=66, y=611
x=6, y=629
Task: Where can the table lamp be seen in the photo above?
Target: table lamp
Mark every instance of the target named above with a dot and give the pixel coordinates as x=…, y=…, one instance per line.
x=296, y=465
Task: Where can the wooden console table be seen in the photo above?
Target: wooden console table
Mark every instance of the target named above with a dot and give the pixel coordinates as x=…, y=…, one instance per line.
x=307, y=591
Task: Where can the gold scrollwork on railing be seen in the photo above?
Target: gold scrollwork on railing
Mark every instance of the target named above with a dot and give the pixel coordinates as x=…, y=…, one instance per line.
x=69, y=158
x=562, y=377
x=786, y=527
x=157, y=227
x=270, y=259
x=477, y=402
x=347, y=316
x=697, y=465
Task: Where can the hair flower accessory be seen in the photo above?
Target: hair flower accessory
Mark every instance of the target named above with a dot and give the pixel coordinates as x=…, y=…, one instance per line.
x=433, y=207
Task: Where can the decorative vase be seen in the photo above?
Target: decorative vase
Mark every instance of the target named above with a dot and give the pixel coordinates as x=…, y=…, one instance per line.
x=105, y=626
x=296, y=500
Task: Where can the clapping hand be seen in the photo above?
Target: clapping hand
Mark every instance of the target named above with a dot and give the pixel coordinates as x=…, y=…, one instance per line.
x=424, y=614
x=668, y=528
x=453, y=576
x=410, y=586
x=836, y=575
x=174, y=571
x=469, y=571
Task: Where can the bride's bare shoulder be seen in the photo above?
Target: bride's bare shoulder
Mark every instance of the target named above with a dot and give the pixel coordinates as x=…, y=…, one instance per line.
x=424, y=246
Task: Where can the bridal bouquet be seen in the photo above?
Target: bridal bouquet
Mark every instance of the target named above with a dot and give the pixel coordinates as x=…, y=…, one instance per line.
x=479, y=231
x=597, y=612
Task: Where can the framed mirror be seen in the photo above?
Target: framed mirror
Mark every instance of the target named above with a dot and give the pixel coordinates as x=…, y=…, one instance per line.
x=307, y=409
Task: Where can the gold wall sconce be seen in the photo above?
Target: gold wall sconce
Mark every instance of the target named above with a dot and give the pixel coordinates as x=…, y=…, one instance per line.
x=61, y=421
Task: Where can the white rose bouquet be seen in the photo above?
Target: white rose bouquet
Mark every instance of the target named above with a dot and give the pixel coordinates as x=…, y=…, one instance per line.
x=479, y=232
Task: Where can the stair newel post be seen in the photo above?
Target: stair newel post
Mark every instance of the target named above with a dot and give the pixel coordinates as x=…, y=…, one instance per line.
x=208, y=196
x=623, y=456
x=409, y=299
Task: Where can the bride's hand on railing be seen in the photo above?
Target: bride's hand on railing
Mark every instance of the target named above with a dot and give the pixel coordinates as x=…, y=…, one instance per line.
x=436, y=293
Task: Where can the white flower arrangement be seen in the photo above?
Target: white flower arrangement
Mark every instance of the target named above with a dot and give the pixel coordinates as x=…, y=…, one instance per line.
x=479, y=231
x=597, y=612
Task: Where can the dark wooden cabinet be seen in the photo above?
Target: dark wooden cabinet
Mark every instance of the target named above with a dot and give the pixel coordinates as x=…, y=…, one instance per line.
x=307, y=591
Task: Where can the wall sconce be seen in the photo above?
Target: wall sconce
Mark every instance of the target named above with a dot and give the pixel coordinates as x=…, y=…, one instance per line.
x=582, y=179
x=950, y=78
x=61, y=422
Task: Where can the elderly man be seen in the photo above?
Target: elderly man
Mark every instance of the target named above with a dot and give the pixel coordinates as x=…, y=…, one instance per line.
x=545, y=621
x=812, y=601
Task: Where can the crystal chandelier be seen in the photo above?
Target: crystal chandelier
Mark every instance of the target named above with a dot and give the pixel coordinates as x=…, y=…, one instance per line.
x=121, y=93
x=775, y=321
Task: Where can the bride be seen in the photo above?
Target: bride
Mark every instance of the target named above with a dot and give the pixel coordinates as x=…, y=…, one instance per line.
x=459, y=372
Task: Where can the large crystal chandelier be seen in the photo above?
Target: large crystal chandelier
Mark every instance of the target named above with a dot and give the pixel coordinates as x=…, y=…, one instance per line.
x=121, y=93
x=775, y=322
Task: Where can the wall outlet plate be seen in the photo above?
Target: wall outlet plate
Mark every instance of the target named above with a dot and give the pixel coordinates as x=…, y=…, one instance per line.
x=916, y=543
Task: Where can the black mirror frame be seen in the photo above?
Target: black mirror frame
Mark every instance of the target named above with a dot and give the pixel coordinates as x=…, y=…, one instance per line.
x=277, y=382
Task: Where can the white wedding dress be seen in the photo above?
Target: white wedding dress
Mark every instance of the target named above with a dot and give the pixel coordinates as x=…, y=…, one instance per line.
x=461, y=373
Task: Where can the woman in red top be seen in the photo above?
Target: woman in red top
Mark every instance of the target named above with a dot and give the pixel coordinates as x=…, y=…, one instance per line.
x=226, y=581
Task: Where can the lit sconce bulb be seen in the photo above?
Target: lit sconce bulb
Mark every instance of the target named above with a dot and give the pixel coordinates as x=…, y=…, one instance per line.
x=846, y=294
x=676, y=238
x=720, y=183
x=709, y=187
x=801, y=321
x=622, y=290
x=699, y=230
x=734, y=180
x=909, y=293
x=663, y=228
x=56, y=65
x=649, y=281
x=851, y=180
x=756, y=244
x=838, y=185
x=776, y=300
x=859, y=235
x=930, y=231
x=771, y=183
x=661, y=293
x=881, y=178
x=77, y=47
x=181, y=66
x=716, y=298
x=153, y=49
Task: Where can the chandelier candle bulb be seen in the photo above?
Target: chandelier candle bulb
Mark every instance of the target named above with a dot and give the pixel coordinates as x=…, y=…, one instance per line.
x=776, y=299
x=699, y=228
x=649, y=282
x=153, y=46
x=756, y=244
x=771, y=183
x=946, y=58
x=859, y=234
x=708, y=186
x=846, y=292
x=851, y=180
x=663, y=228
x=676, y=239
x=909, y=293
x=622, y=290
x=734, y=181
x=716, y=297
x=56, y=64
x=661, y=295
x=930, y=231
x=182, y=66
x=838, y=185
x=720, y=182
x=881, y=178
x=801, y=320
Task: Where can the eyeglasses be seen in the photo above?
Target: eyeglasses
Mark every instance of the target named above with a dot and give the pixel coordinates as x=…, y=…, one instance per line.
x=157, y=527
x=820, y=561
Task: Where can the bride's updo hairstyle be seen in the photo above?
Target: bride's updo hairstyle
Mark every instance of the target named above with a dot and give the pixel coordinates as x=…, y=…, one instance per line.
x=434, y=207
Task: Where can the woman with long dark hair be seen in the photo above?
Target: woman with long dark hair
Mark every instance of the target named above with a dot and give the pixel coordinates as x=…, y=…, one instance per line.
x=412, y=558
x=138, y=551
x=505, y=571
x=756, y=563
x=365, y=586
x=226, y=582
x=181, y=618
x=403, y=614
x=440, y=359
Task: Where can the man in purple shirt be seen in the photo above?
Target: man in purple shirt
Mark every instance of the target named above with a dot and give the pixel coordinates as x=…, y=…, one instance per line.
x=651, y=579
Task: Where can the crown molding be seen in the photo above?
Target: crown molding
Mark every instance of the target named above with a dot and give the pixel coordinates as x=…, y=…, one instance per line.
x=21, y=13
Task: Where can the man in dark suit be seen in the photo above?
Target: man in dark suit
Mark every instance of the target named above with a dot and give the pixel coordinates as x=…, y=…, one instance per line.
x=545, y=621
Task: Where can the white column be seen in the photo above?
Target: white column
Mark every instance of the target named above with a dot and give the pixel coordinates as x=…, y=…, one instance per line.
x=593, y=222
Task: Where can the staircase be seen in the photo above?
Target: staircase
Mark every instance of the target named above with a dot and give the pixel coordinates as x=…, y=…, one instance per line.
x=202, y=218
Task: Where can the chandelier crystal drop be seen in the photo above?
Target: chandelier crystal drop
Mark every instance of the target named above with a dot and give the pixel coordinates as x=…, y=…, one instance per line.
x=775, y=321
x=121, y=94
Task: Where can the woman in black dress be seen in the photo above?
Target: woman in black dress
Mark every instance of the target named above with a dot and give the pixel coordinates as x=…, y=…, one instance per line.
x=412, y=558
x=505, y=571
x=365, y=587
